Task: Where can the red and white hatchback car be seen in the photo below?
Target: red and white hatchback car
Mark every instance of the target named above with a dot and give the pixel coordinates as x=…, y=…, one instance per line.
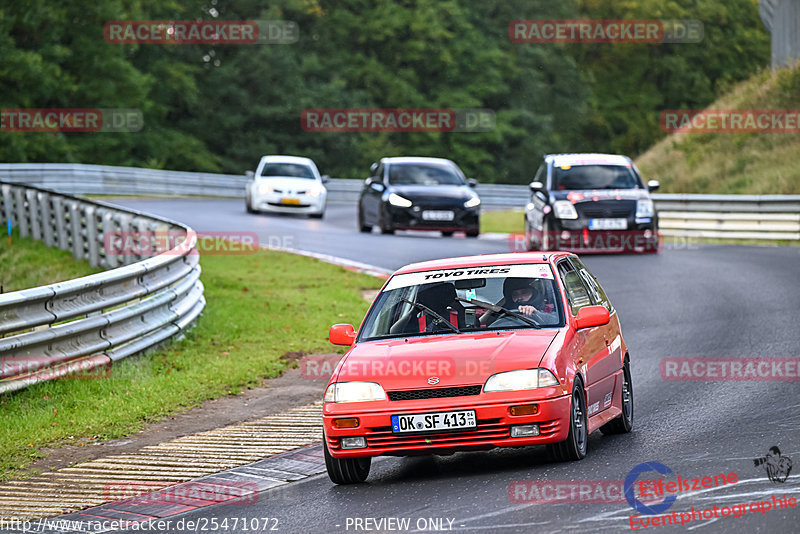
x=472, y=353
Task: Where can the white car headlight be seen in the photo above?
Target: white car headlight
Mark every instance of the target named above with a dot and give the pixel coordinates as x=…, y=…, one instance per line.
x=563, y=209
x=400, y=202
x=354, y=392
x=522, y=379
x=644, y=208
x=471, y=203
x=265, y=189
x=316, y=191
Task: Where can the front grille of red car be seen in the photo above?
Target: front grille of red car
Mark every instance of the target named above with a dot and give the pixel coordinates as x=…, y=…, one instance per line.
x=489, y=429
x=436, y=393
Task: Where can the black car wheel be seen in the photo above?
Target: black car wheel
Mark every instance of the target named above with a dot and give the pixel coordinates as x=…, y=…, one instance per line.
x=386, y=227
x=624, y=423
x=576, y=444
x=365, y=228
x=447, y=234
x=346, y=470
x=473, y=233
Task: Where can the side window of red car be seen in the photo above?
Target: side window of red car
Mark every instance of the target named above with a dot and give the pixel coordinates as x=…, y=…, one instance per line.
x=577, y=294
x=595, y=291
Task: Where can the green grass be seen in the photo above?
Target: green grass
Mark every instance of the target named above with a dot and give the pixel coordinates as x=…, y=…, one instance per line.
x=729, y=163
x=259, y=307
x=27, y=263
x=505, y=221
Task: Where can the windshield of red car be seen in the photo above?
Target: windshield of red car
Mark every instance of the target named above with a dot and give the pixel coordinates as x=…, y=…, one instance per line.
x=460, y=300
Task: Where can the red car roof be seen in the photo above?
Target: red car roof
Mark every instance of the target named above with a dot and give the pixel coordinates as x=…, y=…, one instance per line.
x=508, y=258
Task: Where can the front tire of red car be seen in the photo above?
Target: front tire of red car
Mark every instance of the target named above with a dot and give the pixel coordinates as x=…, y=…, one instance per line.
x=577, y=442
x=347, y=470
x=624, y=423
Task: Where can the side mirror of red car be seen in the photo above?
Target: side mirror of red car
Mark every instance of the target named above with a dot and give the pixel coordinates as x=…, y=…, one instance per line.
x=589, y=316
x=344, y=334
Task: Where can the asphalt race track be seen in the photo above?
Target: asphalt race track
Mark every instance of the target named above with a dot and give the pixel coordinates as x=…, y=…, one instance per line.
x=700, y=301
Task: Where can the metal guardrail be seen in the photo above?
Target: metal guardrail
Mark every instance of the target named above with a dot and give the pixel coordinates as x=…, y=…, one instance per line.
x=88, y=323
x=713, y=216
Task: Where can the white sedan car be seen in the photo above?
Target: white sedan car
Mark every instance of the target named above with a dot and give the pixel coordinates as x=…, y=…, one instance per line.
x=287, y=184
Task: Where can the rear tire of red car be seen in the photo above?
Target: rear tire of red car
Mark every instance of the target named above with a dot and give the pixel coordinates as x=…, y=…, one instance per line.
x=574, y=447
x=346, y=470
x=624, y=423
x=473, y=233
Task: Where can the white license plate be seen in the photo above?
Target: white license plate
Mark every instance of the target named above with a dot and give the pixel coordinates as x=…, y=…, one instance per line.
x=608, y=224
x=430, y=422
x=438, y=215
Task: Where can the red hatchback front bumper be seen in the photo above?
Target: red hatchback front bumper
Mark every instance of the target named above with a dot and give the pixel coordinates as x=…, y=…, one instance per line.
x=494, y=422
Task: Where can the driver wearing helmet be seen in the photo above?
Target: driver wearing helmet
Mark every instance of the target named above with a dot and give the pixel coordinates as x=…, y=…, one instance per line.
x=519, y=293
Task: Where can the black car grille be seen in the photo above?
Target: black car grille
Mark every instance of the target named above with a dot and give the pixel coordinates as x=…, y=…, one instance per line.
x=602, y=209
x=437, y=393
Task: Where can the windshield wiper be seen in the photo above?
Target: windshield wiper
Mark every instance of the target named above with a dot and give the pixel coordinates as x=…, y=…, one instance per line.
x=437, y=319
x=499, y=309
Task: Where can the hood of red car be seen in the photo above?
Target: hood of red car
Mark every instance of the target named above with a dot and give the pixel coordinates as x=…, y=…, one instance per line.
x=437, y=361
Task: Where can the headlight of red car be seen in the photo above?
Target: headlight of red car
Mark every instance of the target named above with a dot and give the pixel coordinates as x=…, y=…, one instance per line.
x=354, y=392
x=518, y=380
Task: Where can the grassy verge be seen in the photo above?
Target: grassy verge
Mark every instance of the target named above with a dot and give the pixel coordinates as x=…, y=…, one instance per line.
x=504, y=221
x=27, y=263
x=259, y=307
x=725, y=163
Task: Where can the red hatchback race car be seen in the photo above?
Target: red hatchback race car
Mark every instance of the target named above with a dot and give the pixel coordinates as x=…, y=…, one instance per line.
x=478, y=352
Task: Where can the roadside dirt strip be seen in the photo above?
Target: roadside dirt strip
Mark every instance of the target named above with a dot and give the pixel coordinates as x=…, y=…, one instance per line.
x=126, y=476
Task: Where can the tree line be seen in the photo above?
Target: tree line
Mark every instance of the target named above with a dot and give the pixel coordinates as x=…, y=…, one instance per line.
x=219, y=107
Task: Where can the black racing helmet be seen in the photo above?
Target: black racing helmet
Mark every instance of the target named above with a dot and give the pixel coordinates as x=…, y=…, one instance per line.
x=512, y=284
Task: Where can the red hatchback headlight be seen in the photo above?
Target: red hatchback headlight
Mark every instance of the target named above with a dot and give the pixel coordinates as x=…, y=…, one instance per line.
x=519, y=380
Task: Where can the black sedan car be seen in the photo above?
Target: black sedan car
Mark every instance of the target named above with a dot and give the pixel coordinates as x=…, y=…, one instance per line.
x=592, y=202
x=418, y=194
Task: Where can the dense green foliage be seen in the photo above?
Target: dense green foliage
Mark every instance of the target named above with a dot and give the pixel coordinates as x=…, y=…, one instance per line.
x=220, y=107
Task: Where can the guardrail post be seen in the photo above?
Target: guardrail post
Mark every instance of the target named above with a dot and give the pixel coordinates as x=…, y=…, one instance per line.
x=77, y=234
x=125, y=230
x=91, y=236
x=8, y=205
x=34, y=213
x=22, y=218
x=62, y=232
x=47, y=220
